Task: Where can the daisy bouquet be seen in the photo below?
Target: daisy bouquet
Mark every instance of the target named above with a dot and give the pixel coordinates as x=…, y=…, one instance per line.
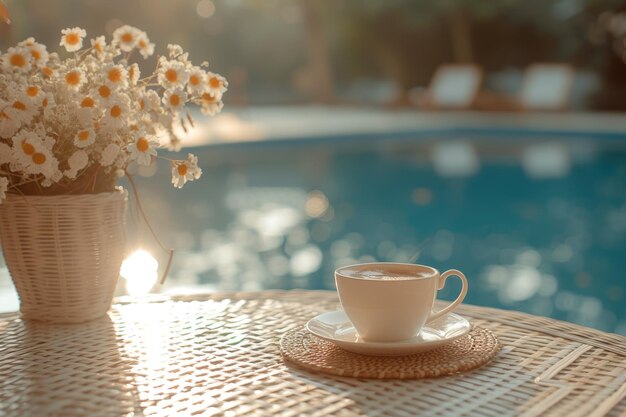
x=74, y=125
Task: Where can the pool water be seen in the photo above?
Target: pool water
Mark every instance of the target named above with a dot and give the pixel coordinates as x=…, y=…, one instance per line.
x=536, y=226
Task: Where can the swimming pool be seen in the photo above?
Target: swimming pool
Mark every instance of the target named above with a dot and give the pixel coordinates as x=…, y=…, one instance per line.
x=537, y=221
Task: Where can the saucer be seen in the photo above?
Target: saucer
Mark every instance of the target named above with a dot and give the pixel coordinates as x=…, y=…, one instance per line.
x=336, y=328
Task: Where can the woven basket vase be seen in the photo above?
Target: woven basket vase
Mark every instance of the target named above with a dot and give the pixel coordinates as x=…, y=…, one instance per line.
x=64, y=253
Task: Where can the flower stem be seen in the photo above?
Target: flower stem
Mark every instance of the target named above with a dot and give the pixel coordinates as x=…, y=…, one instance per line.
x=145, y=218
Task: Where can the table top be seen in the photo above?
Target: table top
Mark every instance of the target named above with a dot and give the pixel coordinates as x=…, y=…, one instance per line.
x=218, y=354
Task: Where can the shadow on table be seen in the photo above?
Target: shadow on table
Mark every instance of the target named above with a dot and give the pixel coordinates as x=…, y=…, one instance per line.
x=64, y=370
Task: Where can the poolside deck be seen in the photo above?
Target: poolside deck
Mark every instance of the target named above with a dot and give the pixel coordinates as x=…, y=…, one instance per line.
x=267, y=125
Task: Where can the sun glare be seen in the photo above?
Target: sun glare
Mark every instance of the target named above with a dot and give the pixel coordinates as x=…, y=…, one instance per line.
x=140, y=272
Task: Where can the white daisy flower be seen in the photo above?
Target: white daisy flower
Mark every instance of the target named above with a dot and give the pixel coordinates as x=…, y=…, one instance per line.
x=84, y=138
x=116, y=76
x=210, y=104
x=197, y=80
x=76, y=162
x=117, y=112
x=103, y=93
x=98, y=44
x=174, y=99
x=216, y=84
x=87, y=101
x=35, y=94
x=183, y=171
x=172, y=74
x=47, y=72
x=142, y=149
x=39, y=54
x=146, y=49
x=4, y=187
x=38, y=51
x=24, y=147
x=17, y=59
x=74, y=78
x=27, y=42
x=150, y=101
x=126, y=37
x=43, y=162
x=116, y=118
x=72, y=39
x=33, y=156
x=109, y=154
x=21, y=109
x=134, y=74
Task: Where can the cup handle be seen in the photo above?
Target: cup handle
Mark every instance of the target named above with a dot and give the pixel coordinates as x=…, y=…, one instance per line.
x=441, y=282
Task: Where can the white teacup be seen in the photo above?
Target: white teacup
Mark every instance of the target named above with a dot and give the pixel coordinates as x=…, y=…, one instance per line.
x=388, y=301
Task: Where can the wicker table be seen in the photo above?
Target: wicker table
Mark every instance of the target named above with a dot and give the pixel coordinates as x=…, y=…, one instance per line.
x=219, y=355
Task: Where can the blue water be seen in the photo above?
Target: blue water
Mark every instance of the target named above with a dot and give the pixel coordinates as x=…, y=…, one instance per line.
x=285, y=216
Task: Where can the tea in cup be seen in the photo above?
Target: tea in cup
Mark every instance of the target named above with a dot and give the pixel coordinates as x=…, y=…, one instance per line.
x=388, y=302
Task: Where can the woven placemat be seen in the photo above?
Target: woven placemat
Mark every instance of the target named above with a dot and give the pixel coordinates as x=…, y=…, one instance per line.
x=463, y=354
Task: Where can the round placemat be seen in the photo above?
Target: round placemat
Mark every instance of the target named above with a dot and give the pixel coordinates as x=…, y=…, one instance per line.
x=463, y=354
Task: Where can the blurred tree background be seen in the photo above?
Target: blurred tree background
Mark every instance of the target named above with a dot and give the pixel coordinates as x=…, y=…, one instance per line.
x=408, y=40
x=298, y=51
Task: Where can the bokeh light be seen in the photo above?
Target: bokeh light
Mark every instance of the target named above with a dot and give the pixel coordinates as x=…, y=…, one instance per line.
x=140, y=272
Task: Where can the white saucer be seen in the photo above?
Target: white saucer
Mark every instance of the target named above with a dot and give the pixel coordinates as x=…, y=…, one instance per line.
x=336, y=328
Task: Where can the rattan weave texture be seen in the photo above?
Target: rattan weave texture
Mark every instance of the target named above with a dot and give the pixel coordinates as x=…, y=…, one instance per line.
x=219, y=355
x=64, y=252
x=469, y=352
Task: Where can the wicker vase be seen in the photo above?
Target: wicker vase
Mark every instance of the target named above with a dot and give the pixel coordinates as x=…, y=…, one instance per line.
x=64, y=253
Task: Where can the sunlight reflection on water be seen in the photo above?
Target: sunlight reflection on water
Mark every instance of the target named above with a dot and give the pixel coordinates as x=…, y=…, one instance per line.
x=552, y=246
x=523, y=242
